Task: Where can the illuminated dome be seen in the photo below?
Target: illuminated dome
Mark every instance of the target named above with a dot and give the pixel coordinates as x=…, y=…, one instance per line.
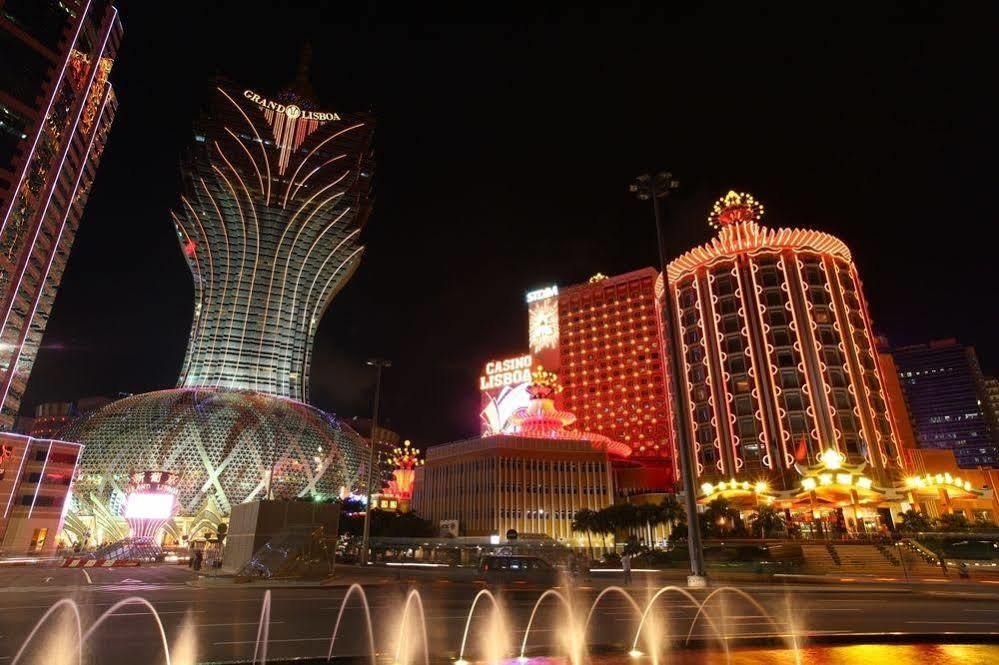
x=220, y=443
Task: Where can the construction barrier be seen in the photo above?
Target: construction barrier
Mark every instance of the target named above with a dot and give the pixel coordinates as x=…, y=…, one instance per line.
x=77, y=562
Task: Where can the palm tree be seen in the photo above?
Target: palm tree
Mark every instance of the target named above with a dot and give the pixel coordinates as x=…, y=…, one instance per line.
x=766, y=519
x=648, y=515
x=586, y=520
x=719, y=512
x=671, y=512
x=953, y=522
x=913, y=521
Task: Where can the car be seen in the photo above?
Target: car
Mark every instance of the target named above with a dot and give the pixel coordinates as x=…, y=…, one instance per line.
x=507, y=569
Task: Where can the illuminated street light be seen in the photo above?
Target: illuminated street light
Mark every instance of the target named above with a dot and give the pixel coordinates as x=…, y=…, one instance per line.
x=378, y=364
x=652, y=188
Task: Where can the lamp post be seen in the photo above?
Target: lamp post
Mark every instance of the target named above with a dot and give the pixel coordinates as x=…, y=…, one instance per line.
x=652, y=188
x=378, y=364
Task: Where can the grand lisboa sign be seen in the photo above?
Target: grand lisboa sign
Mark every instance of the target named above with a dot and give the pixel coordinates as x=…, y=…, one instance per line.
x=291, y=110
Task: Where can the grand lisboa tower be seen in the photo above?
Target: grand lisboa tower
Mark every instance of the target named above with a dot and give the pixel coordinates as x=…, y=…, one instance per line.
x=276, y=192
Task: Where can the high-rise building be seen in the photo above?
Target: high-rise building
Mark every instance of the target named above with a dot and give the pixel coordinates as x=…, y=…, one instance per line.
x=945, y=392
x=604, y=337
x=611, y=351
x=992, y=405
x=56, y=108
x=276, y=192
x=779, y=365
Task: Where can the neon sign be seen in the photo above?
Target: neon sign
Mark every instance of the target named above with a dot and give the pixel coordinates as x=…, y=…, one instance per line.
x=291, y=110
x=499, y=373
x=542, y=294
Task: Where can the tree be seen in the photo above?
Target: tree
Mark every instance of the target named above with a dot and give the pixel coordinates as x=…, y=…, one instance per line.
x=223, y=530
x=766, y=519
x=913, y=521
x=671, y=513
x=648, y=515
x=953, y=522
x=717, y=515
x=585, y=520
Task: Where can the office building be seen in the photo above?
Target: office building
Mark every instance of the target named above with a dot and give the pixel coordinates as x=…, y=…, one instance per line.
x=56, y=108
x=947, y=399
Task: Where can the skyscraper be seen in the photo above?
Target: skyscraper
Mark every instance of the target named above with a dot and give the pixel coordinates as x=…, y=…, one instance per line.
x=56, y=107
x=778, y=358
x=945, y=391
x=276, y=192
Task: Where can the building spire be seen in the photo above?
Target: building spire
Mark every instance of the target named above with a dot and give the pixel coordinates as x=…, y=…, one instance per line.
x=301, y=90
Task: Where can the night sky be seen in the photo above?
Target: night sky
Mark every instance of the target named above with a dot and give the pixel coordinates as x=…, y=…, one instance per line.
x=505, y=145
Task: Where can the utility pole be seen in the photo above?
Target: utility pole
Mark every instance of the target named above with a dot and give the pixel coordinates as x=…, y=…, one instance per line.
x=378, y=364
x=652, y=188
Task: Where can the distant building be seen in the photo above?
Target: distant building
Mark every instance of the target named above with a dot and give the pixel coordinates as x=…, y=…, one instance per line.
x=386, y=440
x=51, y=418
x=992, y=404
x=56, y=108
x=896, y=400
x=946, y=396
x=35, y=480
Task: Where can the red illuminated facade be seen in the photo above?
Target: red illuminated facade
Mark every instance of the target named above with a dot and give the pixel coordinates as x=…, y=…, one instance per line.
x=612, y=361
x=778, y=359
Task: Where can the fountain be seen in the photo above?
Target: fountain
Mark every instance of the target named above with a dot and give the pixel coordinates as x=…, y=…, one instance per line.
x=653, y=630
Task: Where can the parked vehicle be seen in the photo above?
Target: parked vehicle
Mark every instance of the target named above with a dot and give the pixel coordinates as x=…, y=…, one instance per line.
x=495, y=569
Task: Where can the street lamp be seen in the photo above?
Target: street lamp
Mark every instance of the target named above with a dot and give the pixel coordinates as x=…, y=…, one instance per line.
x=652, y=188
x=378, y=364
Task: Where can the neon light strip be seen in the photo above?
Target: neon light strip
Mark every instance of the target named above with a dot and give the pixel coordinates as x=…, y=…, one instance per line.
x=861, y=380
x=256, y=168
x=301, y=268
x=806, y=385
x=694, y=426
x=709, y=379
x=70, y=136
x=206, y=357
x=751, y=237
x=816, y=344
x=277, y=254
x=263, y=148
x=225, y=283
x=239, y=278
x=26, y=326
x=725, y=378
x=851, y=379
x=311, y=152
x=769, y=349
x=870, y=337
x=41, y=119
x=41, y=479
x=20, y=468
x=313, y=172
x=199, y=298
x=755, y=368
x=253, y=276
x=311, y=320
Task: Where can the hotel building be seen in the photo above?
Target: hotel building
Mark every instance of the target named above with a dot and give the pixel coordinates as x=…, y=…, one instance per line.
x=276, y=191
x=780, y=370
x=56, y=108
x=35, y=480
